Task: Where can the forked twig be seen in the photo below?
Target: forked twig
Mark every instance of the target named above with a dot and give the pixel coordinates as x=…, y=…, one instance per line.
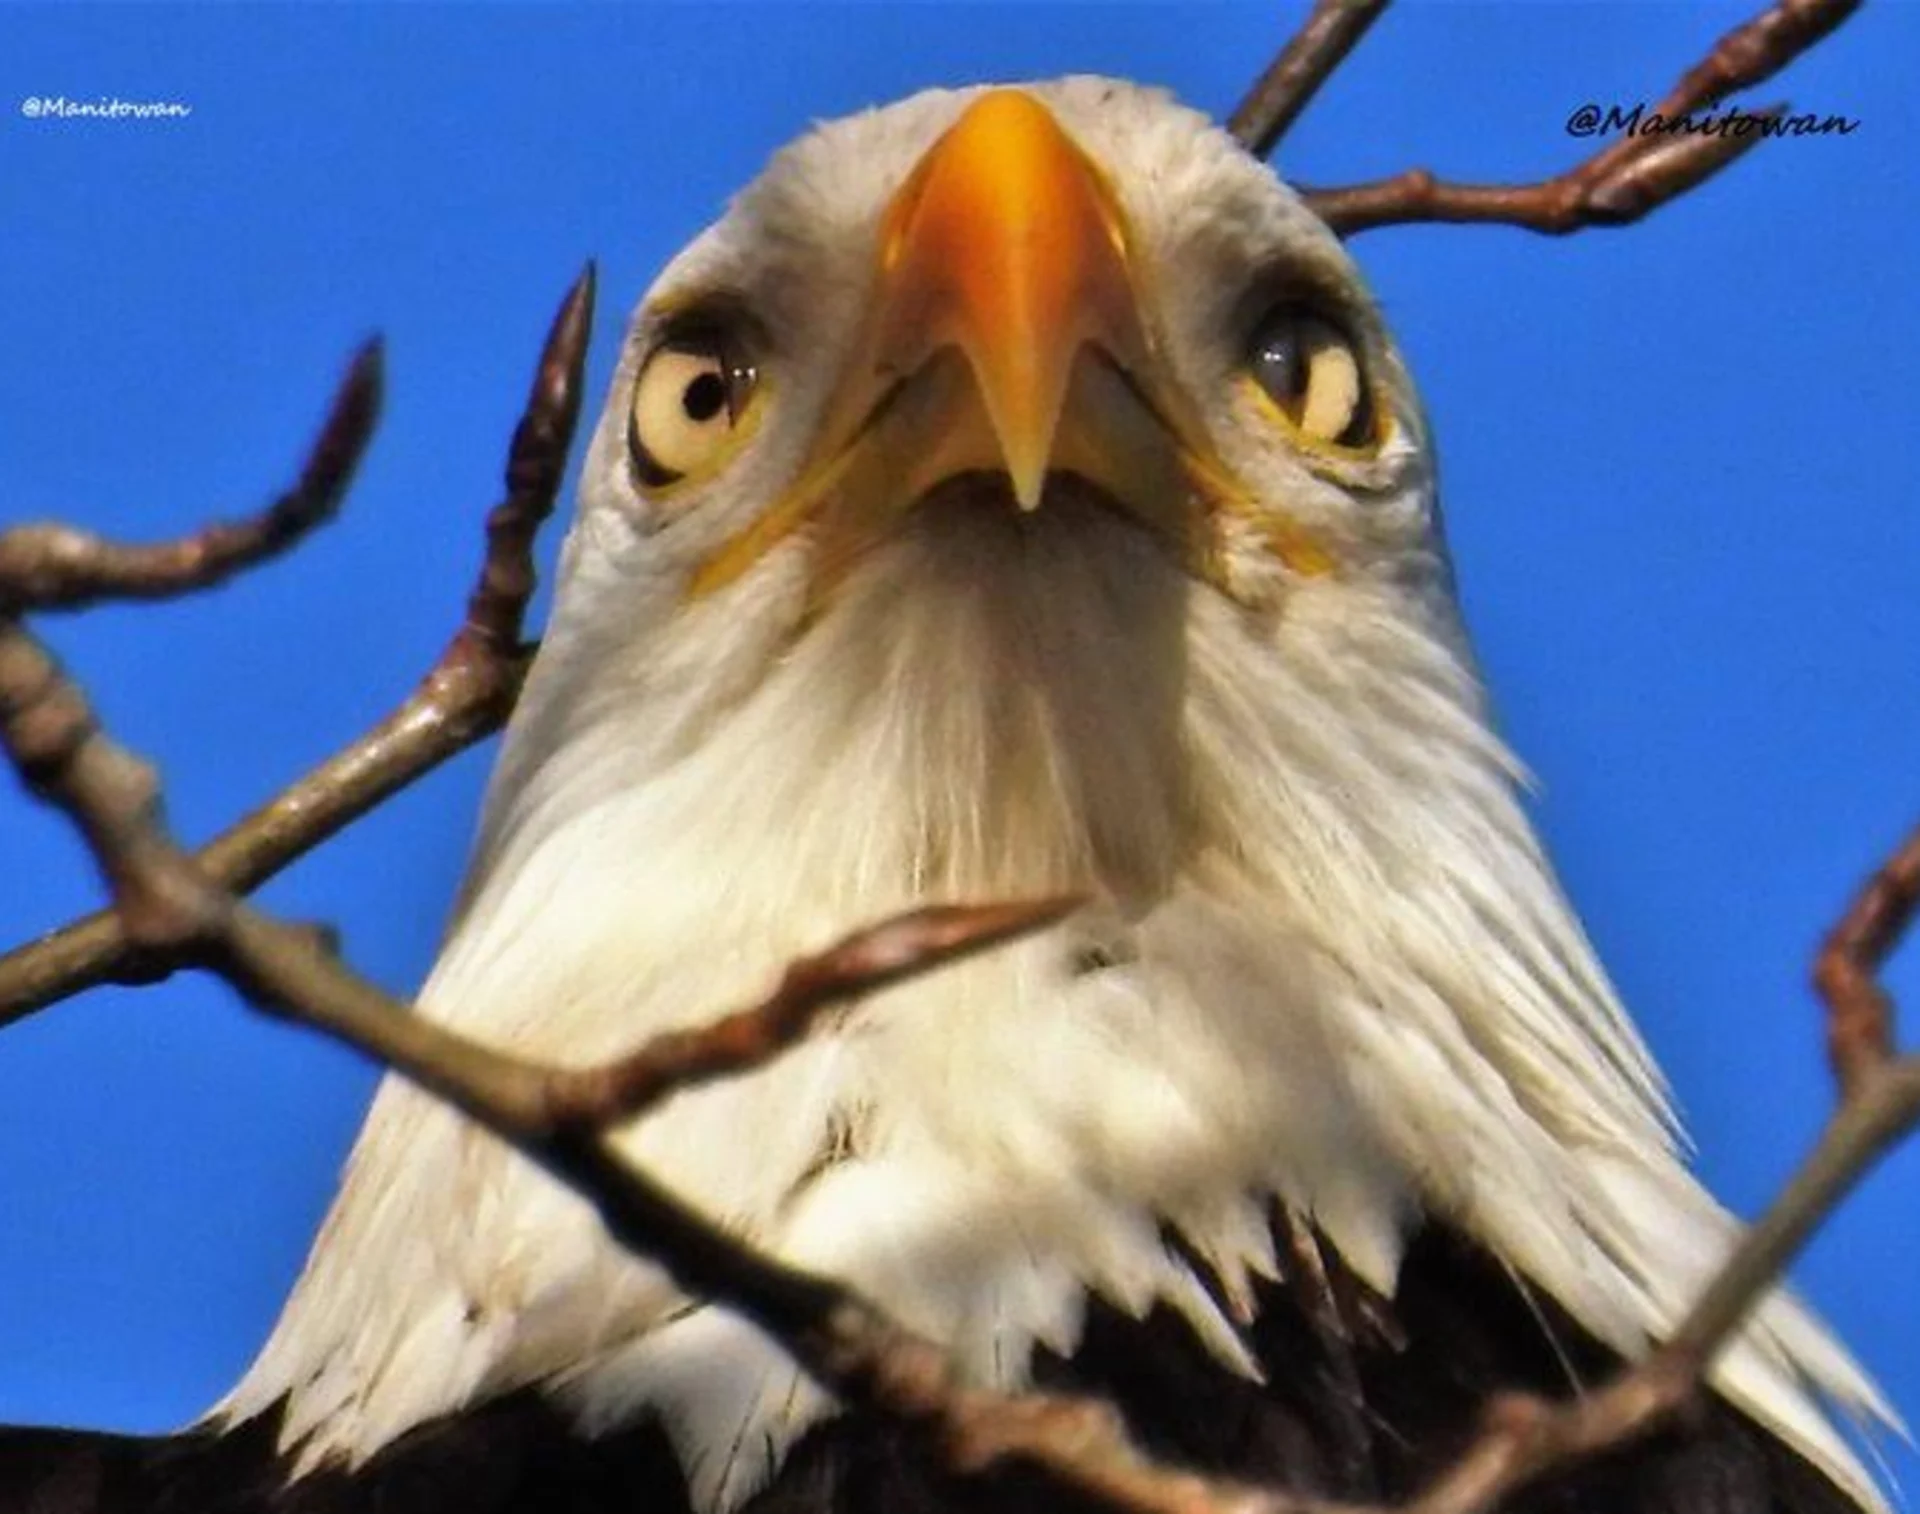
x=464, y=697
x=1622, y=182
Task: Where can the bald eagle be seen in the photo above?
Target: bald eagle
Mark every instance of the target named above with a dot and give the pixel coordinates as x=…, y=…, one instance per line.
x=1017, y=492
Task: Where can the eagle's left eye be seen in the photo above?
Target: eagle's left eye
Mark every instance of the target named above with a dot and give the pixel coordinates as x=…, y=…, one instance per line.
x=1310, y=369
x=688, y=404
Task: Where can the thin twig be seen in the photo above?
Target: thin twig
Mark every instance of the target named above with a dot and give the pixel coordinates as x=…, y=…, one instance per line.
x=464, y=698
x=1755, y=51
x=1290, y=82
x=50, y=566
x=1859, y=1013
x=1622, y=182
x=851, y=970
x=1599, y=192
x=536, y=460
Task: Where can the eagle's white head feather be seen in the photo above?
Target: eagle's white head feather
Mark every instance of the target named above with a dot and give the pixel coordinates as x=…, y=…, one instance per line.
x=1215, y=678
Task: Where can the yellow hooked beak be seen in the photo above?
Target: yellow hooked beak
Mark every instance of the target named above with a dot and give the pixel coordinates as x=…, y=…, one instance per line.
x=1005, y=340
x=1006, y=245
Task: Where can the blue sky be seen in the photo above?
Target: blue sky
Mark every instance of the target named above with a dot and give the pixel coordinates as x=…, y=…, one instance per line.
x=1677, y=467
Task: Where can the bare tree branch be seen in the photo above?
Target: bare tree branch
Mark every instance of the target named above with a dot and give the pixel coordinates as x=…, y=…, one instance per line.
x=50, y=566
x=1620, y=183
x=862, y=964
x=536, y=461
x=1859, y=1013
x=464, y=698
x=1290, y=82
x=1755, y=51
x=1600, y=192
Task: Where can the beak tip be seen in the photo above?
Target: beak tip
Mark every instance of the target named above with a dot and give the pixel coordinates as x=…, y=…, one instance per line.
x=1026, y=452
x=1004, y=243
x=1028, y=485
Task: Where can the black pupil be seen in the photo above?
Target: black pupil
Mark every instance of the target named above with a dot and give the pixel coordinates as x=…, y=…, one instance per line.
x=1279, y=365
x=705, y=397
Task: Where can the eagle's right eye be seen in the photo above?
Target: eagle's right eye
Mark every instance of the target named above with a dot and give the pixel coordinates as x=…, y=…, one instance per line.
x=1310, y=370
x=689, y=403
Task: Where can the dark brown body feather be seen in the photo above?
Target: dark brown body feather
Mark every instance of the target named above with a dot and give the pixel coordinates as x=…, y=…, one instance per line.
x=1365, y=1400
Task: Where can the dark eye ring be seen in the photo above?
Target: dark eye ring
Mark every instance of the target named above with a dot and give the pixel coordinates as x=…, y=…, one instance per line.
x=693, y=390
x=1312, y=370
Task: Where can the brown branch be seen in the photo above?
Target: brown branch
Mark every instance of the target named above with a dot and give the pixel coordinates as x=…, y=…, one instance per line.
x=862, y=964
x=1755, y=51
x=49, y=566
x=1859, y=1013
x=1600, y=192
x=536, y=460
x=464, y=698
x=1622, y=182
x=1294, y=77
